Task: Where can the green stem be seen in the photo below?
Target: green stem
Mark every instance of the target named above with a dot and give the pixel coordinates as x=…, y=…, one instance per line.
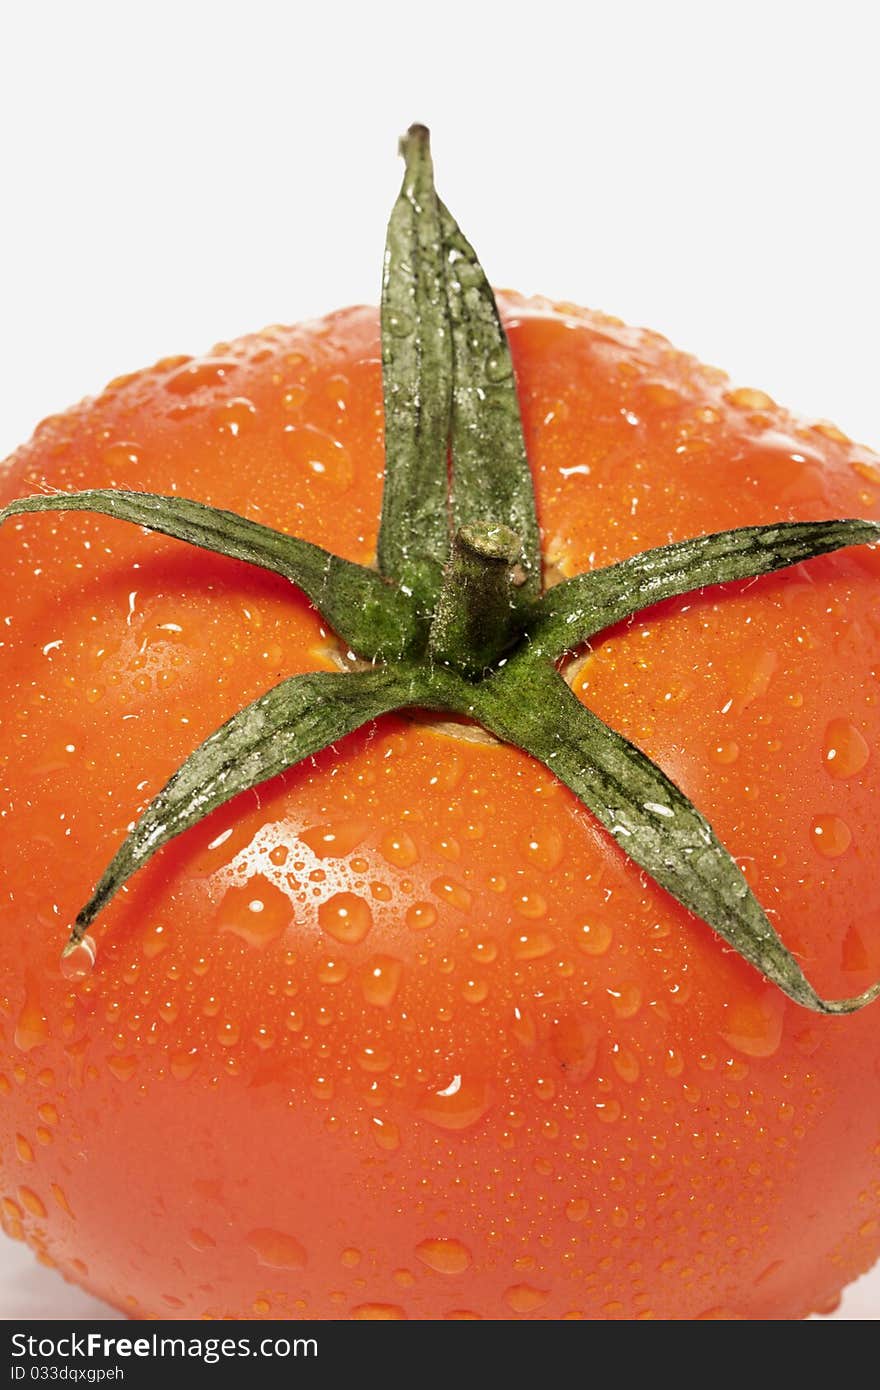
x=480, y=611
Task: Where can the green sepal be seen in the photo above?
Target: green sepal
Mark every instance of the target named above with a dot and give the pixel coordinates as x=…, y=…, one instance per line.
x=491, y=477
x=575, y=610
x=414, y=536
x=371, y=616
x=530, y=705
x=296, y=719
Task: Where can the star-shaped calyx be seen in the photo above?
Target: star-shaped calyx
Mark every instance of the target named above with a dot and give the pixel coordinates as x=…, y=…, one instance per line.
x=453, y=618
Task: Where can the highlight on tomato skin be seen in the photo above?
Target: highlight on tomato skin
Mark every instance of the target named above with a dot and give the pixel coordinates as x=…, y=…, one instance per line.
x=418, y=1040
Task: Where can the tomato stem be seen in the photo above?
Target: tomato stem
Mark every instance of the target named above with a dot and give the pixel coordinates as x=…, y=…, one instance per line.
x=480, y=609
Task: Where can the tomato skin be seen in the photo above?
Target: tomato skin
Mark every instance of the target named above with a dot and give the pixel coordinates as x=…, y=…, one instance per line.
x=403, y=1033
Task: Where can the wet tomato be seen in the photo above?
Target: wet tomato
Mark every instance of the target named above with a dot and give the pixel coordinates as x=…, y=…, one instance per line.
x=402, y=1032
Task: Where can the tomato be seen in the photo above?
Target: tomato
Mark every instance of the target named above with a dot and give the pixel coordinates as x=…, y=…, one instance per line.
x=403, y=1033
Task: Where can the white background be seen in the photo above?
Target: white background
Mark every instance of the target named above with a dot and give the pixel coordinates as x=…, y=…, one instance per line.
x=177, y=174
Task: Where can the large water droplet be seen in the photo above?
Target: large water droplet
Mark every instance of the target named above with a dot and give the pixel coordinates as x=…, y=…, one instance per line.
x=336, y=840
x=594, y=938
x=380, y=980
x=725, y=752
x=453, y=893
x=209, y=373
x=444, y=1256
x=545, y=847
x=533, y=944
x=845, y=751
x=318, y=455
x=346, y=917
x=459, y=1105
x=31, y=1202
x=399, y=849
x=236, y=416
x=525, y=1298
x=277, y=1250
x=32, y=1028
x=378, y=1312
x=258, y=912
x=831, y=836
x=574, y=1042
x=386, y=1134
x=754, y=1025
x=78, y=958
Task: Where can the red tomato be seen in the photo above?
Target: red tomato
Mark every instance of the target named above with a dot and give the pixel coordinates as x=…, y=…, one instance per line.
x=403, y=1033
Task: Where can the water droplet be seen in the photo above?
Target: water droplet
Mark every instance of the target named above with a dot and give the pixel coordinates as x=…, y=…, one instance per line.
x=845, y=750
x=594, y=938
x=200, y=1240
x=523, y=1027
x=753, y=680
x=484, y=952
x=123, y=1068
x=525, y=1298
x=444, y=1255
x=235, y=416
x=385, y=1133
x=346, y=917
x=498, y=366
x=61, y=1198
x=261, y=1305
x=228, y=1034
x=754, y=1025
x=378, y=1312
x=380, y=980
x=182, y=1064
x=746, y=398
x=208, y=372
x=545, y=848
x=474, y=991
x=725, y=753
x=578, y=1209
x=574, y=1041
x=277, y=1250
x=831, y=836
x=319, y=455
x=336, y=840
x=626, y=1000
x=400, y=323
x=78, y=959
x=24, y=1149
x=351, y=1258
x=31, y=1202
x=399, y=849
x=453, y=893
x=332, y=972
x=459, y=1105
x=32, y=1028
x=420, y=915
x=257, y=912
x=122, y=455
x=222, y=848
x=154, y=941
x=531, y=905
x=373, y=1059
x=531, y=945
x=466, y=273
x=854, y=956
